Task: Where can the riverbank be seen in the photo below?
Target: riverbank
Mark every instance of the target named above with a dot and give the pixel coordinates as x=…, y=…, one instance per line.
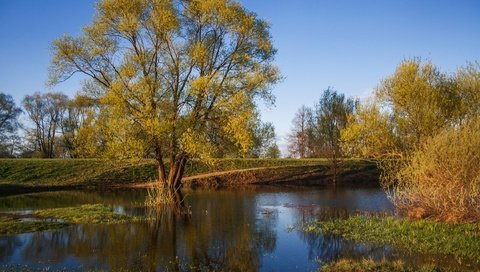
x=31, y=175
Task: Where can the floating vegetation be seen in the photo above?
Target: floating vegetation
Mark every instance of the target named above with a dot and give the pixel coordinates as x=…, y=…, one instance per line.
x=9, y=224
x=87, y=214
x=53, y=219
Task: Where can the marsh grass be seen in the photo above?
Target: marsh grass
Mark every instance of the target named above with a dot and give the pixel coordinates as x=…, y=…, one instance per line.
x=426, y=236
x=161, y=200
x=158, y=195
x=349, y=265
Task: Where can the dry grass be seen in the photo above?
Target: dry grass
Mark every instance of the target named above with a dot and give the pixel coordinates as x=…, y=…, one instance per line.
x=159, y=195
x=161, y=201
x=441, y=180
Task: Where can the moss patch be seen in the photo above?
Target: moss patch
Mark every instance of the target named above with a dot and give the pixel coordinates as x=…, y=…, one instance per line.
x=87, y=214
x=44, y=220
x=459, y=240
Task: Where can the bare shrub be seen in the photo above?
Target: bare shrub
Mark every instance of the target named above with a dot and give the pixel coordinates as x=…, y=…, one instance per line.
x=440, y=180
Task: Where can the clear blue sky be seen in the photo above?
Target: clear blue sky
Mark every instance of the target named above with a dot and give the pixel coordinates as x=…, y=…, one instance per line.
x=347, y=44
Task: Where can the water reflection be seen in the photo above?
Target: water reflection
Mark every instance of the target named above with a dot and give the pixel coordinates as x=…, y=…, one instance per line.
x=227, y=230
x=222, y=234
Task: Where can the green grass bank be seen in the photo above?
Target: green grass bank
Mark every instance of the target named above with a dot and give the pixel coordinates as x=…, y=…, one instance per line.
x=66, y=173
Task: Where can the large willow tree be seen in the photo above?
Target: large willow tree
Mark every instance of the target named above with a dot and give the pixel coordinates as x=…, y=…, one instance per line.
x=174, y=72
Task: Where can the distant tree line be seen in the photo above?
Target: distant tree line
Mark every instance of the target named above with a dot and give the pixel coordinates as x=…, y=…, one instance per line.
x=59, y=127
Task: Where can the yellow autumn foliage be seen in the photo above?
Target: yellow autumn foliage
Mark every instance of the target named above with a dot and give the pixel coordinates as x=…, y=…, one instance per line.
x=174, y=74
x=440, y=180
x=369, y=133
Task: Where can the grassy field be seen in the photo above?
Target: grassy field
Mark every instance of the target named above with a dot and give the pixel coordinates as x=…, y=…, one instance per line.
x=37, y=173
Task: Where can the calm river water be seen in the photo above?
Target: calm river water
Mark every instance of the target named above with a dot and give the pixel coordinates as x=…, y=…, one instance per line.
x=249, y=229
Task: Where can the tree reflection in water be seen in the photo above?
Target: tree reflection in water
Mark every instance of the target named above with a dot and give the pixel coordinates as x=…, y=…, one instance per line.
x=223, y=233
x=8, y=244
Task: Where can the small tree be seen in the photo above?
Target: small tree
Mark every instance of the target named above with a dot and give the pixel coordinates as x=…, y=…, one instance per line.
x=264, y=139
x=273, y=152
x=171, y=71
x=467, y=81
x=46, y=112
x=8, y=124
x=300, y=138
x=332, y=113
x=424, y=132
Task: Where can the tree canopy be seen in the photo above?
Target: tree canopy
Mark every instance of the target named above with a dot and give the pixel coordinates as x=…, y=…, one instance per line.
x=414, y=104
x=171, y=72
x=422, y=100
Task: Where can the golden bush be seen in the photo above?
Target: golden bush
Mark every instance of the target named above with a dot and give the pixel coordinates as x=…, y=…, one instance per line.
x=441, y=179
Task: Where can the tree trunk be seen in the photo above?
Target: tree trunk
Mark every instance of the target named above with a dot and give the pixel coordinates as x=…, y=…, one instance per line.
x=175, y=174
x=171, y=180
x=335, y=171
x=179, y=175
x=162, y=175
x=334, y=164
